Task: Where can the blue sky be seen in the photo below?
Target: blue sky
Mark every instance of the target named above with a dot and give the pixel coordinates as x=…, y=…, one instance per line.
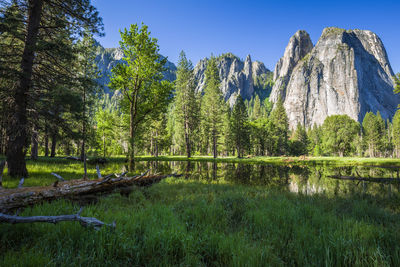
x=259, y=28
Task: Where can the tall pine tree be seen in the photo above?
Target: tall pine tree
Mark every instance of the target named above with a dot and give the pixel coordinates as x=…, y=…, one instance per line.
x=186, y=102
x=212, y=107
x=240, y=126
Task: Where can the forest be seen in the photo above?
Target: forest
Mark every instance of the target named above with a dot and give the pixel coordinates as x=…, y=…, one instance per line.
x=57, y=120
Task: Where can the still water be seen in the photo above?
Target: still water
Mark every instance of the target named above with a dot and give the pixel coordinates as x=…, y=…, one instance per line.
x=304, y=180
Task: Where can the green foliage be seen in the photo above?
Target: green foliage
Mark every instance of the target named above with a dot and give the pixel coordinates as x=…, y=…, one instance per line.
x=299, y=143
x=208, y=223
x=240, y=127
x=280, y=120
x=145, y=94
x=397, y=84
x=373, y=129
x=338, y=134
x=212, y=107
x=187, y=104
x=396, y=132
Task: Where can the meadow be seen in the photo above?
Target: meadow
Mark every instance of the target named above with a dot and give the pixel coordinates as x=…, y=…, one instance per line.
x=187, y=222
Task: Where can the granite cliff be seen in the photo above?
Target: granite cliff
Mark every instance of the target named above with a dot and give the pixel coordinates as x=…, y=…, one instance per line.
x=346, y=72
x=237, y=77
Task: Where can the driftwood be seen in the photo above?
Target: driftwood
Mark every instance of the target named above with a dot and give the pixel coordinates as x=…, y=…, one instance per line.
x=367, y=179
x=84, y=221
x=12, y=199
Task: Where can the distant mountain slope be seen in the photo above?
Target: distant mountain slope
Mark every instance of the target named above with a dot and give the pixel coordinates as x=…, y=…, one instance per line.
x=237, y=77
x=346, y=72
x=107, y=58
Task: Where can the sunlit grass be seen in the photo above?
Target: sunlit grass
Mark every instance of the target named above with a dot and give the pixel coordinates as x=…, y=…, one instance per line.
x=185, y=222
x=191, y=222
x=343, y=161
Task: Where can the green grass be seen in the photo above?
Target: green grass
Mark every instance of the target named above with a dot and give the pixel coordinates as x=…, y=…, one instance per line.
x=342, y=161
x=188, y=223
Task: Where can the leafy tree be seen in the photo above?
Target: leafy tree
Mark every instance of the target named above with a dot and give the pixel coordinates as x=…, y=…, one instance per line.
x=240, y=127
x=373, y=130
x=186, y=102
x=338, y=134
x=280, y=120
x=262, y=136
x=397, y=84
x=212, y=107
x=139, y=79
x=396, y=133
x=315, y=140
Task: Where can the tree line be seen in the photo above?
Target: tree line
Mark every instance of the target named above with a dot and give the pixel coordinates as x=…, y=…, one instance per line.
x=53, y=105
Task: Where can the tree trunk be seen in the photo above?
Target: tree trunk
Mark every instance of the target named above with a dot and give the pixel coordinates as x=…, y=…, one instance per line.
x=83, y=152
x=187, y=140
x=215, y=146
x=131, y=139
x=46, y=142
x=34, y=145
x=17, y=129
x=53, y=144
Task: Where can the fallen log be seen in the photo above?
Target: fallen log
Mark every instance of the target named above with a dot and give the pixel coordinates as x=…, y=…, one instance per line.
x=84, y=221
x=367, y=179
x=72, y=158
x=15, y=198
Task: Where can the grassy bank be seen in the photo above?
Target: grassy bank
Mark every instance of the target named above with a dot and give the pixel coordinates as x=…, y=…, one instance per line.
x=342, y=161
x=183, y=222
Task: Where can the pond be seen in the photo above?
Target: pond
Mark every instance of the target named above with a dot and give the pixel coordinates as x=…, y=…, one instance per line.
x=298, y=179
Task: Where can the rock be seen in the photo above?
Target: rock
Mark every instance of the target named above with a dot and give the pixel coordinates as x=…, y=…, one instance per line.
x=237, y=77
x=347, y=72
x=107, y=58
x=299, y=46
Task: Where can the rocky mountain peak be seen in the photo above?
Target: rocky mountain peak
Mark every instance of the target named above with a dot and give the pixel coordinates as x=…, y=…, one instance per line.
x=237, y=77
x=347, y=72
x=299, y=46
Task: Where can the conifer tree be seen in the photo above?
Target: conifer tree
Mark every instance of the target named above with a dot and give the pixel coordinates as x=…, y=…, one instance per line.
x=45, y=30
x=279, y=118
x=186, y=103
x=212, y=107
x=240, y=127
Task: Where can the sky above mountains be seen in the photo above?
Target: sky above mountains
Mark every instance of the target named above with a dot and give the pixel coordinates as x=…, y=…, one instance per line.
x=259, y=28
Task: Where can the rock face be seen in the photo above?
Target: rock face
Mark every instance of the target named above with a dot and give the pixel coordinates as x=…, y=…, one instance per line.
x=347, y=72
x=107, y=58
x=237, y=77
x=299, y=45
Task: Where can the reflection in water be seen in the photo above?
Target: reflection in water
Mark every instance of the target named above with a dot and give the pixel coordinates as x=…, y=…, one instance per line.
x=304, y=180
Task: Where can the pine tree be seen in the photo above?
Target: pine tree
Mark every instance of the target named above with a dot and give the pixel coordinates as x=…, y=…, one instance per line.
x=256, y=108
x=212, y=107
x=48, y=29
x=279, y=118
x=299, y=141
x=240, y=127
x=186, y=102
